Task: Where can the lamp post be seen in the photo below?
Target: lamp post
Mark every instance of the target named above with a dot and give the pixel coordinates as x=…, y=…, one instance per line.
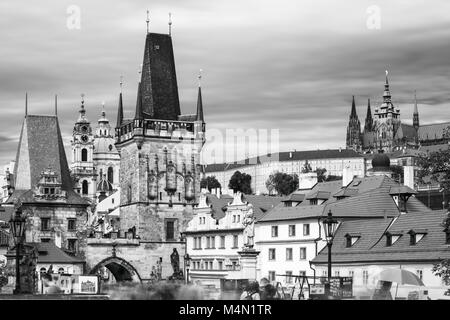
x=187, y=265
x=330, y=223
x=17, y=225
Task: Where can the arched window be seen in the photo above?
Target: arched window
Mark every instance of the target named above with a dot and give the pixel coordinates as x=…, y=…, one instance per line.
x=84, y=155
x=61, y=270
x=111, y=175
x=84, y=187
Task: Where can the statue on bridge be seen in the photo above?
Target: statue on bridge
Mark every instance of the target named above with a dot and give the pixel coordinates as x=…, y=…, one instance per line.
x=249, y=228
x=175, y=262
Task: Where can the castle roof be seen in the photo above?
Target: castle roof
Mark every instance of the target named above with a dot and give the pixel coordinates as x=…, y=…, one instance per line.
x=41, y=147
x=285, y=156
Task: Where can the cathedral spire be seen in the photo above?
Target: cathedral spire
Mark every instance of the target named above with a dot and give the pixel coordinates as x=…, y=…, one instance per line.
x=368, y=126
x=199, y=99
x=387, y=94
x=120, y=107
x=353, y=112
x=416, y=113
x=56, y=105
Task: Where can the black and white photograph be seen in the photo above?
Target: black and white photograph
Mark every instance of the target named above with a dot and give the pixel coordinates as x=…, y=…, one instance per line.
x=219, y=151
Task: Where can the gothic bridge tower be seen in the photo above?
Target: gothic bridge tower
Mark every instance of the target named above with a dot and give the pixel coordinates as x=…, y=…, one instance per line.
x=159, y=153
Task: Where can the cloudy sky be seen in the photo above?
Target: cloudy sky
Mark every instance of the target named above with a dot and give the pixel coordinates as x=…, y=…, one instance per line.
x=287, y=65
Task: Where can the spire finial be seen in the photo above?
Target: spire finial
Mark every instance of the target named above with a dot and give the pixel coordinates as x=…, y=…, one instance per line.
x=148, y=20
x=26, y=104
x=170, y=23
x=103, y=109
x=121, y=83
x=387, y=72
x=82, y=100
x=56, y=105
x=200, y=77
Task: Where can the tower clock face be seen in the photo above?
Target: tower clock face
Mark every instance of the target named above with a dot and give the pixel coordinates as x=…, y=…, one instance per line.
x=84, y=129
x=84, y=138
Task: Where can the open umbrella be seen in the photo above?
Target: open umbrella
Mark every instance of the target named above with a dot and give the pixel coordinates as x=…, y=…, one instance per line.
x=400, y=276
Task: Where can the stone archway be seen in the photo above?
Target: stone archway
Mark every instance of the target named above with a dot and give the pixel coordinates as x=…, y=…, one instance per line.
x=121, y=269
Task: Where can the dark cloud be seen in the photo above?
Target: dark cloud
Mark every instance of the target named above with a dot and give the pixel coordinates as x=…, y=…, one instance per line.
x=284, y=65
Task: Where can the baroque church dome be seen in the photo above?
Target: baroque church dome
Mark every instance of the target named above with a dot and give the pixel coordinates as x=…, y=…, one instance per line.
x=381, y=162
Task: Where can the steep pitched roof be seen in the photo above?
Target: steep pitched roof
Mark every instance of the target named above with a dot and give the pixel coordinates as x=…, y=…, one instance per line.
x=281, y=213
x=40, y=147
x=372, y=244
x=159, y=80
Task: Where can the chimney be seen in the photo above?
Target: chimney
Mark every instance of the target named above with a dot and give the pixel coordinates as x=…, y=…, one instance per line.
x=290, y=155
x=347, y=174
x=408, y=173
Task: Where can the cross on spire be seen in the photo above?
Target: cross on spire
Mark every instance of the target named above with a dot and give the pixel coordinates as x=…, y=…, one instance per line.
x=121, y=83
x=170, y=23
x=148, y=20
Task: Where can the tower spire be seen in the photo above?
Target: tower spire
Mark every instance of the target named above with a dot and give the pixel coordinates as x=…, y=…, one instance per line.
x=26, y=104
x=56, y=105
x=199, y=98
x=120, y=107
x=353, y=112
x=170, y=24
x=138, y=115
x=368, y=126
x=416, y=113
x=148, y=21
x=82, y=117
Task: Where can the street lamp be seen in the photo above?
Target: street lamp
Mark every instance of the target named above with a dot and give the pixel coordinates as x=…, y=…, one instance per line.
x=17, y=225
x=187, y=265
x=329, y=223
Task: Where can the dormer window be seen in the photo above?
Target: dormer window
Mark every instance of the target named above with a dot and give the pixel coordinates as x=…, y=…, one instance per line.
x=350, y=239
x=415, y=236
x=391, y=238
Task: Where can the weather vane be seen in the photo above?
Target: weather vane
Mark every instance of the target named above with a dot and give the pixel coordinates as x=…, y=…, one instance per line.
x=121, y=83
x=82, y=98
x=200, y=77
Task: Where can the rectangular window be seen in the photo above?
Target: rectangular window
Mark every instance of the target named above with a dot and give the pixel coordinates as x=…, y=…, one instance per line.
x=313, y=202
x=412, y=239
x=351, y=273
x=288, y=254
x=274, y=231
x=71, y=224
x=234, y=218
x=302, y=273
x=235, y=241
x=45, y=224
x=388, y=240
x=271, y=275
x=200, y=242
x=336, y=273
x=72, y=245
x=211, y=265
x=365, y=277
x=306, y=229
x=220, y=265
x=292, y=230
x=222, y=242
x=213, y=242
x=170, y=230
x=271, y=254
x=288, y=276
x=303, y=253
x=208, y=244
x=238, y=218
x=45, y=239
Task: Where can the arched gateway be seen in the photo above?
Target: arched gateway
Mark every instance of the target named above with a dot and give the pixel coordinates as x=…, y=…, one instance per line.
x=120, y=268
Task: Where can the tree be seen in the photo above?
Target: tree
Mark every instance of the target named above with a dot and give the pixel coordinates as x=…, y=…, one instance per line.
x=283, y=183
x=241, y=182
x=270, y=183
x=323, y=177
x=442, y=269
x=435, y=166
x=210, y=183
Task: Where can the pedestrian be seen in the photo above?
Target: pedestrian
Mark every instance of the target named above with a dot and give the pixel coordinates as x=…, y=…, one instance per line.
x=251, y=292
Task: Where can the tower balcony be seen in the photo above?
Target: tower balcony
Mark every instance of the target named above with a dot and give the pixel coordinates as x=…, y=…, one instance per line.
x=164, y=129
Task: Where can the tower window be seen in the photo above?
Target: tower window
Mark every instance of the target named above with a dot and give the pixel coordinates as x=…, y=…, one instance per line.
x=85, y=187
x=45, y=224
x=84, y=155
x=111, y=175
x=110, y=147
x=170, y=230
